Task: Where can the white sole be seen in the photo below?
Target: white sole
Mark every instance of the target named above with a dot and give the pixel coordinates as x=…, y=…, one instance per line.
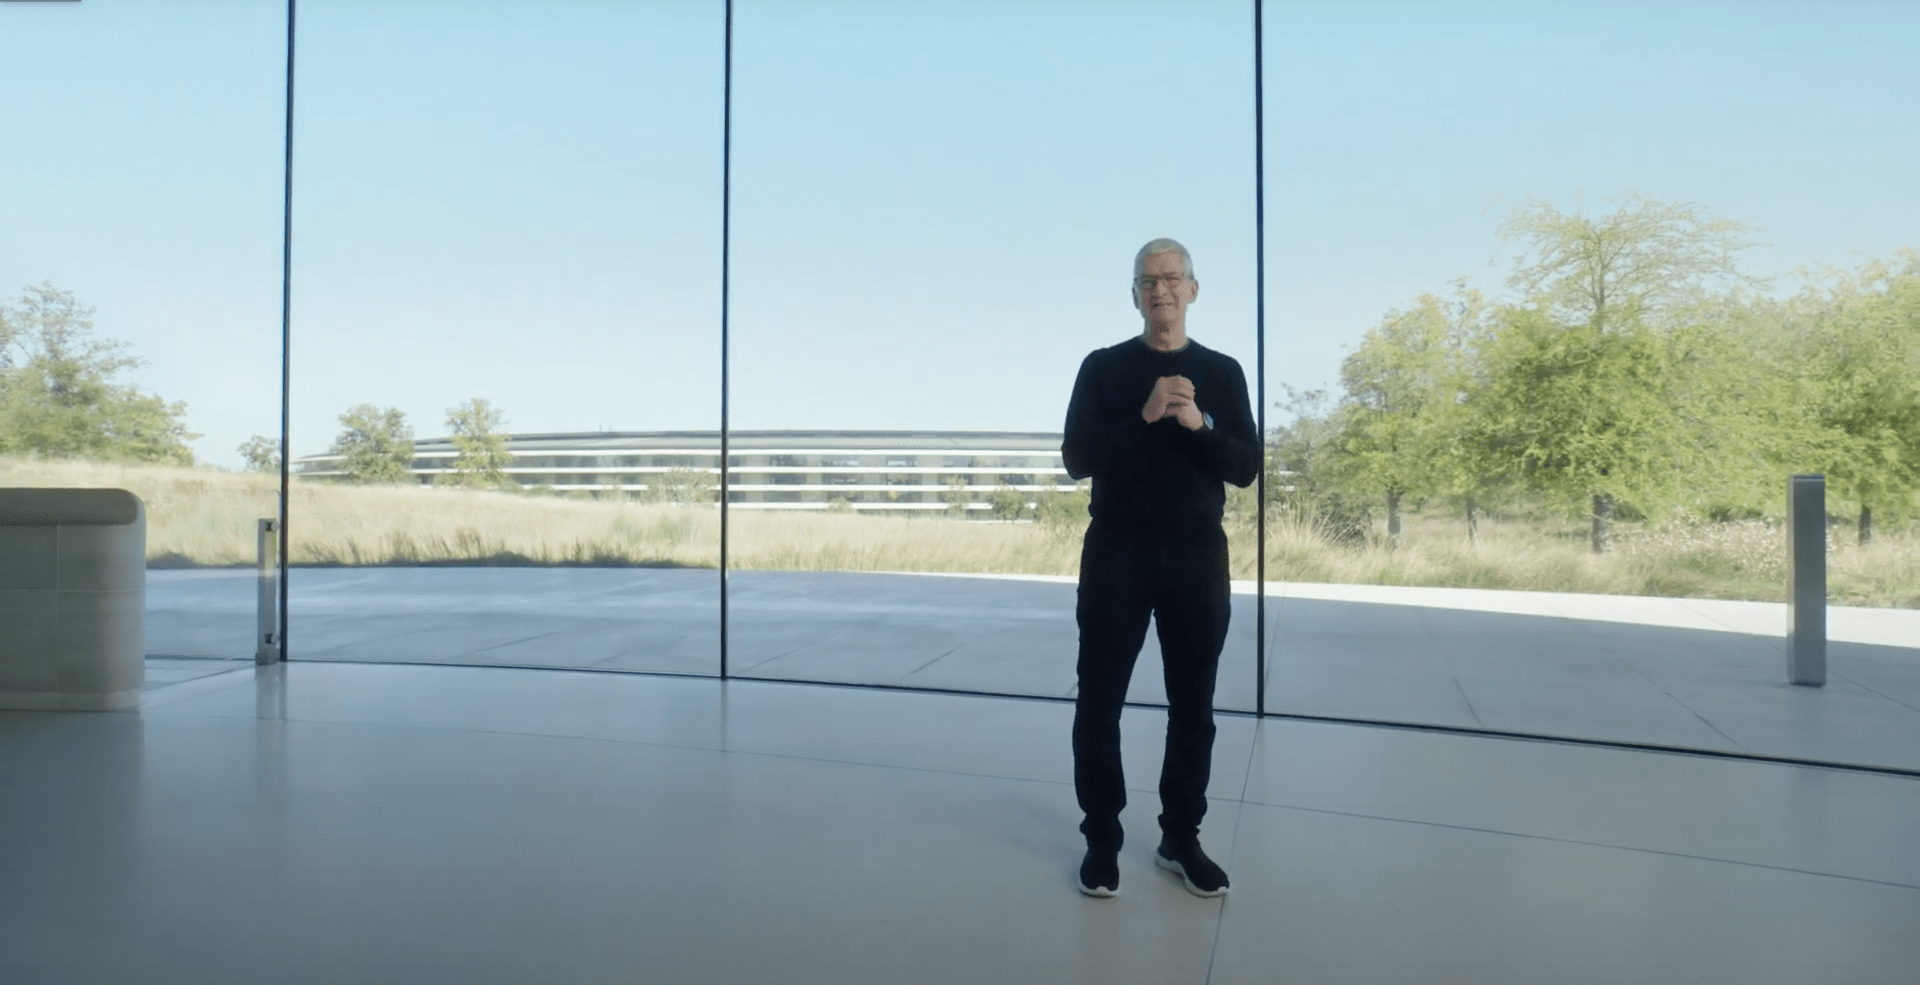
x=1098, y=892
x=1179, y=870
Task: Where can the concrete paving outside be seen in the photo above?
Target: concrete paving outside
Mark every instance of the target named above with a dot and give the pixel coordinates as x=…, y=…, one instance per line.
x=1695, y=674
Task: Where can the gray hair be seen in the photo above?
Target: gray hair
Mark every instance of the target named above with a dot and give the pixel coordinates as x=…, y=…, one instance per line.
x=1159, y=246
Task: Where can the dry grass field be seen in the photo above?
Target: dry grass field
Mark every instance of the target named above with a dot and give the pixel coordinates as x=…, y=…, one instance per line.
x=207, y=517
x=1740, y=560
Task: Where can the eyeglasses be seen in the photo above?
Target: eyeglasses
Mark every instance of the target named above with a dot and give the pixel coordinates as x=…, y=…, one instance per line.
x=1172, y=281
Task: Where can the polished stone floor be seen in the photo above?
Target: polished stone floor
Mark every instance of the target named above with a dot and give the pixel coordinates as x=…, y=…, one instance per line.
x=354, y=822
x=1682, y=673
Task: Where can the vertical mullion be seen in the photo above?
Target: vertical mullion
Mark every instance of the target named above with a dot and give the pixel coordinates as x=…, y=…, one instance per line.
x=726, y=206
x=1260, y=358
x=286, y=334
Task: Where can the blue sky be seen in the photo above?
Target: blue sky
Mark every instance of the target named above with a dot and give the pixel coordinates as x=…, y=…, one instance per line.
x=935, y=203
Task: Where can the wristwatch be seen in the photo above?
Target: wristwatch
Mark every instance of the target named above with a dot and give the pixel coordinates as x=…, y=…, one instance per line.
x=1206, y=421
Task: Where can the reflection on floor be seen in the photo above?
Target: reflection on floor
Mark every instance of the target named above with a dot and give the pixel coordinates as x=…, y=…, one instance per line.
x=1669, y=672
x=363, y=823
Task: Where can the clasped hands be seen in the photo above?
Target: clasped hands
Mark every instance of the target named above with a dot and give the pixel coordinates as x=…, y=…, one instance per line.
x=1173, y=397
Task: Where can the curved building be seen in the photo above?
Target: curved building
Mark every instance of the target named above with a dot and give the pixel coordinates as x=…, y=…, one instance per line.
x=902, y=471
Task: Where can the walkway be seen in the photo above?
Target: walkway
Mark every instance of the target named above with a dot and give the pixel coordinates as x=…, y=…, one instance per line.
x=1670, y=672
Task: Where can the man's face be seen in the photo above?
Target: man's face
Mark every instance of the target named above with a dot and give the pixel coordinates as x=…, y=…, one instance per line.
x=1163, y=291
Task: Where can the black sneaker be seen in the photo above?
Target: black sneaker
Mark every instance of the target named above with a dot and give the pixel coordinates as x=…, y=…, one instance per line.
x=1186, y=860
x=1100, y=873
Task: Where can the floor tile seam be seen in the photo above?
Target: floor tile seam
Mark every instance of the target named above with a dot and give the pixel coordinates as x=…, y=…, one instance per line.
x=1581, y=842
x=1482, y=732
x=1875, y=690
x=1471, y=710
x=1233, y=848
x=1608, y=745
x=1690, y=709
x=935, y=660
x=1348, y=722
x=744, y=678
x=784, y=653
x=497, y=646
x=194, y=687
x=922, y=690
x=152, y=686
x=655, y=744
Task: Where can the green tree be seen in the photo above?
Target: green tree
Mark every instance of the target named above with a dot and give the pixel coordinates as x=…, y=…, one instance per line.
x=1463, y=470
x=1584, y=376
x=59, y=389
x=1629, y=267
x=682, y=486
x=1305, y=474
x=479, y=435
x=261, y=454
x=1863, y=364
x=957, y=497
x=1062, y=510
x=1297, y=452
x=1395, y=428
x=375, y=445
x=1737, y=390
x=1008, y=503
x=1577, y=413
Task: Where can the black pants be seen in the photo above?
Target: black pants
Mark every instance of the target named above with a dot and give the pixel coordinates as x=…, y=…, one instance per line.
x=1179, y=577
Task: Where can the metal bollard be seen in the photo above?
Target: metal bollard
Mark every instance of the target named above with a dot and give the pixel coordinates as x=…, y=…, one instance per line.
x=266, y=637
x=1807, y=580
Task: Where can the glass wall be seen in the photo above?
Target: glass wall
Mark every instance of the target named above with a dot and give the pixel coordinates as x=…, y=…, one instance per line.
x=936, y=209
x=139, y=290
x=506, y=369
x=1545, y=307
x=1544, y=359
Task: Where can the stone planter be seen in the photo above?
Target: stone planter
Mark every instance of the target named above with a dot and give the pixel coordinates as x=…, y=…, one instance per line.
x=73, y=589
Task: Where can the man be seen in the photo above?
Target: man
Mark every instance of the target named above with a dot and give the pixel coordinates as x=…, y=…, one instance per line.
x=1160, y=422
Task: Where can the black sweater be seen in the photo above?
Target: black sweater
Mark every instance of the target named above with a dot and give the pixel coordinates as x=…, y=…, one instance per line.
x=1159, y=474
